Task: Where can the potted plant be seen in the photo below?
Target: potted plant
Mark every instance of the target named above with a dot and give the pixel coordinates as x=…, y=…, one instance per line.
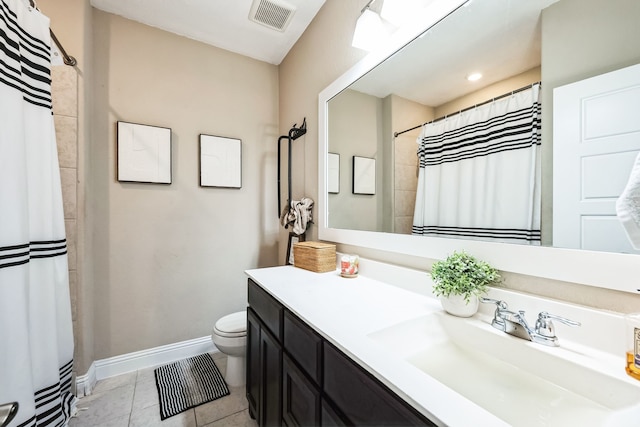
x=459, y=280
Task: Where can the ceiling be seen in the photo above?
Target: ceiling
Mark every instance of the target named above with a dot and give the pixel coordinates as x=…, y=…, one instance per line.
x=498, y=38
x=221, y=23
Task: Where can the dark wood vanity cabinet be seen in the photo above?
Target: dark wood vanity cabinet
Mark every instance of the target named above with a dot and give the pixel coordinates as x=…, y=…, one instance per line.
x=264, y=357
x=363, y=399
x=296, y=378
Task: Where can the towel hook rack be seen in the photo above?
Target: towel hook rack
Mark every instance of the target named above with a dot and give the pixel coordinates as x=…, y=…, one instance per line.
x=294, y=133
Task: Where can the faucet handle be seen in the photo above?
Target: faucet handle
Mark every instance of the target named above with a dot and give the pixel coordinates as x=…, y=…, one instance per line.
x=544, y=325
x=499, y=303
x=501, y=307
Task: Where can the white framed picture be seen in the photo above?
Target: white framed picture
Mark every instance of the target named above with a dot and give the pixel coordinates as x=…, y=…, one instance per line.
x=144, y=153
x=364, y=175
x=220, y=161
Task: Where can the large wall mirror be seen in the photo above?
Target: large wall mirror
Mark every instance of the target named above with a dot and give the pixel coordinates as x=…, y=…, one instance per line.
x=371, y=111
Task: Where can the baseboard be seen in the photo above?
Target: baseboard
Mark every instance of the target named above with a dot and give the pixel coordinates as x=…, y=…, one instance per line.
x=85, y=383
x=117, y=365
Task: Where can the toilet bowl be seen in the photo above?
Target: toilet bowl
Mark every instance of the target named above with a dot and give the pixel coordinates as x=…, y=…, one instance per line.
x=230, y=337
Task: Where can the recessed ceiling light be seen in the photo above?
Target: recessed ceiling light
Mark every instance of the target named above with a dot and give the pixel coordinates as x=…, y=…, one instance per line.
x=474, y=76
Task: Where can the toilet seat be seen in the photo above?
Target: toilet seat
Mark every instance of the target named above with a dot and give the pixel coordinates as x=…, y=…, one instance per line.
x=232, y=325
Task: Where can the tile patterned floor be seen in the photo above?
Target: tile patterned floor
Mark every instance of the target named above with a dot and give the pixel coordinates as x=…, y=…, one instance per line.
x=131, y=400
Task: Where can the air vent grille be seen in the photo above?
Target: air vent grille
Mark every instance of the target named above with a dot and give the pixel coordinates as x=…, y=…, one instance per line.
x=274, y=14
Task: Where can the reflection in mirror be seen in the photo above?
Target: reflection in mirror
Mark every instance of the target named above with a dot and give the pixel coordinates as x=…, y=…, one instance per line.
x=380, y=116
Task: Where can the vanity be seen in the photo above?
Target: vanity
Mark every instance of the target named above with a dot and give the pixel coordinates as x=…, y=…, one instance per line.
x=325, y=350
x=296, y=377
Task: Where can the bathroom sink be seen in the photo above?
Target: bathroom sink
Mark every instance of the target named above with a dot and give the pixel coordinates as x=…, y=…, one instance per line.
x=520, y=382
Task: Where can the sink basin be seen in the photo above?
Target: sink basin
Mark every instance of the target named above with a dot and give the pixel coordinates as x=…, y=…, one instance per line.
x=520, y=382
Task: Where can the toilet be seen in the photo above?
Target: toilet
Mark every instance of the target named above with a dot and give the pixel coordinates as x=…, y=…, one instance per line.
x=230, y=337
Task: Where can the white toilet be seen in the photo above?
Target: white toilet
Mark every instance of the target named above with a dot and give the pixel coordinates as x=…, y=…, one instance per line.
x=230, y=337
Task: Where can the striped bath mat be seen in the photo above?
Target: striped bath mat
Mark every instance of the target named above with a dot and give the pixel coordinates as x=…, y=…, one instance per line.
x=188, y=383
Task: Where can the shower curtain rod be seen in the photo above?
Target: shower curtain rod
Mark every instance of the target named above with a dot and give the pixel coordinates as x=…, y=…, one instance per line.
x=68, y=60
x=396, y=134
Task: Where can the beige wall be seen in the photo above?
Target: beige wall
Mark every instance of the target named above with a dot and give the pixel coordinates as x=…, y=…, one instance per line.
x=489, y=92
x=169, y=260
x=320, y=56
x=158, y=264
x=355, y=135
x=324, y=53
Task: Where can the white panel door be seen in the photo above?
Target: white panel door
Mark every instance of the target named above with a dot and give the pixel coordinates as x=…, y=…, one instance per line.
x=596, y=138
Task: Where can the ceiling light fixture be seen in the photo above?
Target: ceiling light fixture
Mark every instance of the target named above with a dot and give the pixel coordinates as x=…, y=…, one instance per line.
x=371, y=30
x=474, y=77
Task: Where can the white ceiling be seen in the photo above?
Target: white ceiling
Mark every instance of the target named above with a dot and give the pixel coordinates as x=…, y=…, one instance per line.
x=498, y=38
x=221, y=23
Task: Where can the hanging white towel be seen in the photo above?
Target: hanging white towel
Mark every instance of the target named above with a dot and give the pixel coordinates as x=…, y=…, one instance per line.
x=628, y=206
x=298, y=216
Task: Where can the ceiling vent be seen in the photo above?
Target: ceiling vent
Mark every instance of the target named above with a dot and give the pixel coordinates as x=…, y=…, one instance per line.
x=275, y=14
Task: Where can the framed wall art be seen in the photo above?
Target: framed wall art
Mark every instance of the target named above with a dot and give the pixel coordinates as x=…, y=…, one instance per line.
x=364, y=175
x=220, y=162
x=144, y=153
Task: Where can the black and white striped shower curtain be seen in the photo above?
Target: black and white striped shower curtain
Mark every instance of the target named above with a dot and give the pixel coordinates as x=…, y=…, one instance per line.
x=479, y=175
x=36, y=339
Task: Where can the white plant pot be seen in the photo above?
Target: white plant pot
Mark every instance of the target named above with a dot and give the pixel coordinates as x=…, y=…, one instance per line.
x=457, y=306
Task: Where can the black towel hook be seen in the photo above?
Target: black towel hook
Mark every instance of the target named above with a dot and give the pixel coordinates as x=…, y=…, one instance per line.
x=294, y=133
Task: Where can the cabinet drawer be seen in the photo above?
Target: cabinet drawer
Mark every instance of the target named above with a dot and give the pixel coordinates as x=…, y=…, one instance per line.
x=304, y=345
x=267, y=308
x=362, y=398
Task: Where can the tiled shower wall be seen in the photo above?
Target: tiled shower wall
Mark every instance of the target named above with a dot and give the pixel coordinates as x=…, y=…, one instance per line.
x=405, y=182
x=64, y=90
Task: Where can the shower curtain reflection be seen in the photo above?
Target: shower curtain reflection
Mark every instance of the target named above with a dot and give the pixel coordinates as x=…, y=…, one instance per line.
x=491, y=155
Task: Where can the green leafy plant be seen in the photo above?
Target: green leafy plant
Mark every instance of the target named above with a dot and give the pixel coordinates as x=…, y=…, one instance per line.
x=462, y=274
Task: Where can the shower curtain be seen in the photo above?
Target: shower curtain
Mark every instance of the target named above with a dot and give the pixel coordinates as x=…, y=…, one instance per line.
x=36, y=340
x=479, y=175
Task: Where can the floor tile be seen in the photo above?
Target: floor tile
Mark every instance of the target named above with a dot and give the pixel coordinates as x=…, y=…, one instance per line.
x=239, y=419
x=99, y=408
x=146, y=375
x=121, y=421
x=145, y=395
x=131, y=400
x=150, y=417
x=115, y=382
x=223, y=407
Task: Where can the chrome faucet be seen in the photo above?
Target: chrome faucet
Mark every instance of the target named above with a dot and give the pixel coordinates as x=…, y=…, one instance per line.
x=514, y=323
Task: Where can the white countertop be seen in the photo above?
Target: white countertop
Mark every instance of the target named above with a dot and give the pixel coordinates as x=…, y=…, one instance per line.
x=344, y=311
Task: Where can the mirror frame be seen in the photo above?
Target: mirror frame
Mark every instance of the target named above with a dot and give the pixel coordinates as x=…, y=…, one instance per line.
x=600, y=269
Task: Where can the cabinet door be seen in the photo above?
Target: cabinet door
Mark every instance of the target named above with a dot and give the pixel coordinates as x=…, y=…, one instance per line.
x=264, y=370
x=271, y=380
x=303, y=345
x=253, y=364
x=300, y=397
x=363, y=399
x=329, y=416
